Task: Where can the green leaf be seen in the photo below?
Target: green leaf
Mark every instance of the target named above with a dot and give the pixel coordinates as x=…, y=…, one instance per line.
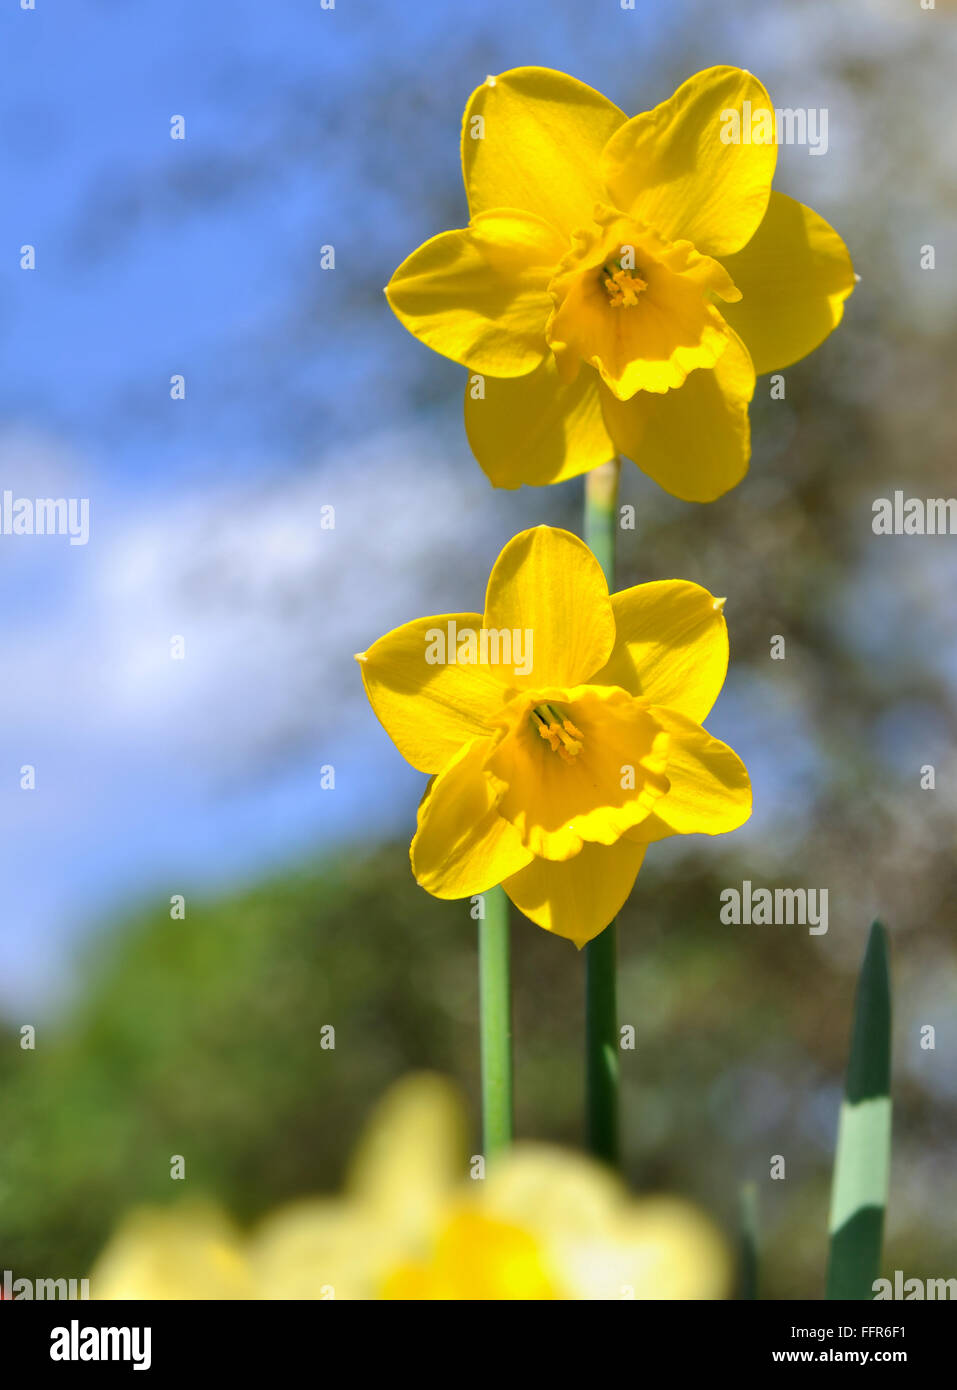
x=862, y=1162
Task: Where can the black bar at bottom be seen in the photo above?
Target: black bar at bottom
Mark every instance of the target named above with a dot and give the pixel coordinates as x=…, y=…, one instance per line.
x=251, y=1337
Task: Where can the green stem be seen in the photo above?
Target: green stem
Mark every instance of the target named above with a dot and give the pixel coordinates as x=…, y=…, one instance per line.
x=748, y=1253
x=601, y=1046
x=601, y=994
x=601, y=515
x=495, y=1024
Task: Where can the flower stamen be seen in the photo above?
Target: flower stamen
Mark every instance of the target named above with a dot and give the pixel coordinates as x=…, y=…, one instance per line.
x=558, y=731
x=622, y=286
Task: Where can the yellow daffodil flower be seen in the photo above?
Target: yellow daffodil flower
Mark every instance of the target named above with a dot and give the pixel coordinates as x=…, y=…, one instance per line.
x=416, y=1222
x=562, y=729
x=621, y=281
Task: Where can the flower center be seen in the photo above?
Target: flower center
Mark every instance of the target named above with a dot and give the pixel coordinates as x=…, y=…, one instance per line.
x=559, y=732
x=621, y=286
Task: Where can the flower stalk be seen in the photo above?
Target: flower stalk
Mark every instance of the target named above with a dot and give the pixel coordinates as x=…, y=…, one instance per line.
x=495, y=1024
x=601, y=985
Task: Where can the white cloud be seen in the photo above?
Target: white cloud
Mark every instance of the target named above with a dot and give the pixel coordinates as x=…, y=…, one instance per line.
x=153, y=771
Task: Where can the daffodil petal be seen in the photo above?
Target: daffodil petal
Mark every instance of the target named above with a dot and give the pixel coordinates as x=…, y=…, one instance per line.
x=677, y=169
x=710, y=791
x=547, y=585
x=430, y=708
x=535, y=430
x=577, y=898
x=187, y=1251
x=695, y=442
x=659, y=1248
x=531, y=138
x=318, y=1246
x=558, y=1195
x=462, y=845
x=794, y=275
x=410, y=1154
x=672, y=645
x=480, y=295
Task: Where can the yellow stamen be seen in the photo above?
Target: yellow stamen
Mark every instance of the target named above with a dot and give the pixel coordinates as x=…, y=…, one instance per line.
x=622, y=287
x=560, y=733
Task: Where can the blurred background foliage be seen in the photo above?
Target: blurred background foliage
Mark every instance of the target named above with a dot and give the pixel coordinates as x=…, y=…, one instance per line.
x=202, y=1037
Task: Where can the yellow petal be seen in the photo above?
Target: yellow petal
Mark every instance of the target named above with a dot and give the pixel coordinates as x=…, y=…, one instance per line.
x=323, y=1248
x=695, y=442
x=794, y=274
x=430, y=708
x=531, y=138
x=664, y=1249
x=577, y=898
x=672, y=168
x=535, y=430
x=462, y=845
x=710, y=791
x=598, y=777
x=480, y=295
x=558, y=1196
x=548, y=584
x=602, y=1244
x=186, y=1251
x=643, y=328
x=672, y=646
x=410, y=1155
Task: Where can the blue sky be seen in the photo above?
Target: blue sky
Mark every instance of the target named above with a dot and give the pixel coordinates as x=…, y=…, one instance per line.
x=200, y=257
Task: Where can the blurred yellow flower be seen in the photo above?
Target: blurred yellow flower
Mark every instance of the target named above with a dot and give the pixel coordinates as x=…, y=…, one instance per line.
x=564, y=731
x=543, y=1224
x=621, y=281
